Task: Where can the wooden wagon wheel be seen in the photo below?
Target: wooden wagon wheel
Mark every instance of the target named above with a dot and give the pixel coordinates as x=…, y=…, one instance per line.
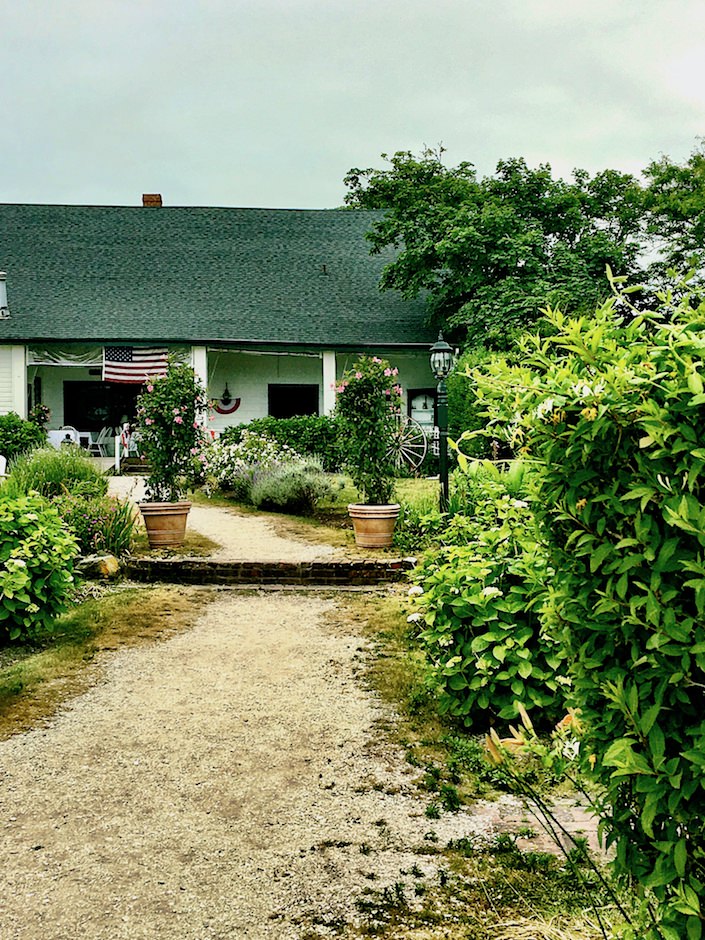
x=409, y=445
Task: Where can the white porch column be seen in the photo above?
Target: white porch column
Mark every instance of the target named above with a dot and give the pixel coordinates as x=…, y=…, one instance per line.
x=19, y=380
x=13, y=380
x=199, y=363
x=328, y=357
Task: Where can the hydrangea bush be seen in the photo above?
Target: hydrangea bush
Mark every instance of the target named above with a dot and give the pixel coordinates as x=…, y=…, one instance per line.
x=477, y=606
x=36, y=566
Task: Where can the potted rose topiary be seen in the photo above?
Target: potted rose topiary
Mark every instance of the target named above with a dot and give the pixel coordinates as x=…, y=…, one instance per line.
x=170, y=429
x=368, y=404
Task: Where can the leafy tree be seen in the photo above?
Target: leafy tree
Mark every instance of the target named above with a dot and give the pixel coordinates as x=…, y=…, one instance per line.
x=492, y=252
x=675, y=204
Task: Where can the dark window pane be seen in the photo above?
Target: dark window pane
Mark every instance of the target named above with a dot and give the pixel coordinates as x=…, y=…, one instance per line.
x=285, y=401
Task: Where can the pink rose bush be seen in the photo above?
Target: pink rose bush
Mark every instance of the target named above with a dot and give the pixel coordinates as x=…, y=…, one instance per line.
x=171, y=417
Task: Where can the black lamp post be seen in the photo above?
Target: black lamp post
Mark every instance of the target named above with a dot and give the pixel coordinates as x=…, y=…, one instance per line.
x=441, y=364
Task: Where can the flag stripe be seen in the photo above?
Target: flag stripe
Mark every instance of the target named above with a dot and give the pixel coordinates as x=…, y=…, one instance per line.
x=133, y=364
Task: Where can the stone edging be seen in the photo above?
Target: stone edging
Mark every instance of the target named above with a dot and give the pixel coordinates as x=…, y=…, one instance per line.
x=191, y=571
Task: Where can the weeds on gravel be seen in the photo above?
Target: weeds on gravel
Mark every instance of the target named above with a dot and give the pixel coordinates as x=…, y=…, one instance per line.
x=486, y=890
x=490, y=890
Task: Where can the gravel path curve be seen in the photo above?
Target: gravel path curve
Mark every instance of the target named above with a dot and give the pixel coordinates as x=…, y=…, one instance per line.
x=242, y=536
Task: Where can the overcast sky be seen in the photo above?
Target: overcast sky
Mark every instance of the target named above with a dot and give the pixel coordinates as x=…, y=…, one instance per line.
x=270, y=102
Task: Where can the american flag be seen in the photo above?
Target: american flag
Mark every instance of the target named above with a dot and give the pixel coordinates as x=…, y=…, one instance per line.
x=133, y=364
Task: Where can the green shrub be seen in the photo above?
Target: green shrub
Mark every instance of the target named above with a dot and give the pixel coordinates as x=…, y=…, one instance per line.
x=611, y=410
x=18, y=436
x=36, y=564
x=310, y=435
x=466, y=411
x=99, y=523
x=478, y=604
x=51, y=472
x=472, y=501
x=293, y=487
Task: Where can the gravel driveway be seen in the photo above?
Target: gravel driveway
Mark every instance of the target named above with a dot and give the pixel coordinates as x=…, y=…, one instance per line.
x=232, y=781
x=229, y=782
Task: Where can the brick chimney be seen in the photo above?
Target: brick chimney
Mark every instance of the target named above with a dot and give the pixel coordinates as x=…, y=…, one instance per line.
x=152, y=199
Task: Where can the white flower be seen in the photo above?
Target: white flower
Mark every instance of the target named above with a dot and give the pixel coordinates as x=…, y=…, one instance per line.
x=520, y=504
x=490, y=591
x=581, y=389
x=413, y=618
x=545, y=408
x=415, y=590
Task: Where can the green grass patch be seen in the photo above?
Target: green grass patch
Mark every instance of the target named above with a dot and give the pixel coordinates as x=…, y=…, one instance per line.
x=36, y=679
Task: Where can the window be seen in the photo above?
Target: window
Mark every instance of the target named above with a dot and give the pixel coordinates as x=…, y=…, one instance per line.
x=285, y=401
x=91, y=406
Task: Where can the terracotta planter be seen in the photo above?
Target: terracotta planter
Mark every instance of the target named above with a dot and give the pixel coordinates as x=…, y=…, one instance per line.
x=165, y=523
x=373, y=525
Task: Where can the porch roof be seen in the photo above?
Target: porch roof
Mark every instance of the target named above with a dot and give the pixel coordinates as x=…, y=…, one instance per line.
x=110, y=274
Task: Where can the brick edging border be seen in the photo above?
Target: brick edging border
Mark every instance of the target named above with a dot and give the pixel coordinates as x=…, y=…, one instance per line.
x=191, y=571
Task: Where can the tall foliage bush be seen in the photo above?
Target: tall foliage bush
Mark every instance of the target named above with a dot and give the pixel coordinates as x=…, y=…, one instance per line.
x=466, y=412
x=36, y=565
x=612, y=410
x=53, y=472
x=478, y=604
x=368, y=401
x=170, y=415
x=18, y=436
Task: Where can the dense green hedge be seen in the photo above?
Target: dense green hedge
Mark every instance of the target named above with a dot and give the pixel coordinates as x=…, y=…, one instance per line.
x=315, y=435
x=611, y=410
x=18, y=436
x=466, y=411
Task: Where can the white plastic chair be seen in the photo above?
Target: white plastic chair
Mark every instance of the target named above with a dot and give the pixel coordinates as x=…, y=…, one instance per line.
x=97, y=445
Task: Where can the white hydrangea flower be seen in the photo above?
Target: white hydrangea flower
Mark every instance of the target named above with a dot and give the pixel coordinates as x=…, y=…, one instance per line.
x=490, y=591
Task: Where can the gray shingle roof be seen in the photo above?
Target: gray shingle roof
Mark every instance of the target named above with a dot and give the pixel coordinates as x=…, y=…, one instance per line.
x=117, y=274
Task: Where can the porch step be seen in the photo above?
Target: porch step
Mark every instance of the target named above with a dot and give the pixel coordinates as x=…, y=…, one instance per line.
x=134, y=467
